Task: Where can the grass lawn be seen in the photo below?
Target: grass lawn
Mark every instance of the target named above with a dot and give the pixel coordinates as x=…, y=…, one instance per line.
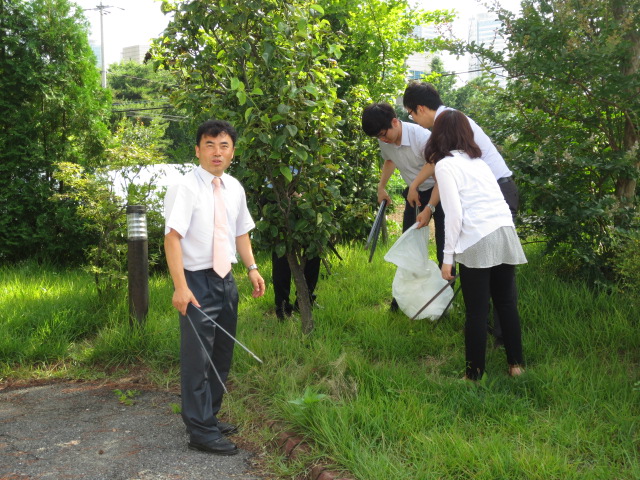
x=379, y=395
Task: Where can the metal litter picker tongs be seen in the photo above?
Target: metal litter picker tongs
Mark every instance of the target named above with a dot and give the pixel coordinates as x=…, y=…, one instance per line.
x=216, y=325
x=372, y=240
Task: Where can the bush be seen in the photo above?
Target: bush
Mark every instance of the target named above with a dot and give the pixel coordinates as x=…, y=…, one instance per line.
x=627, y=263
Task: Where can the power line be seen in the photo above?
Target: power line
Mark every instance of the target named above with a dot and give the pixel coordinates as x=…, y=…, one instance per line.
x=143, y=79
x=141, y=109
x=141, y=102
x=473, y=71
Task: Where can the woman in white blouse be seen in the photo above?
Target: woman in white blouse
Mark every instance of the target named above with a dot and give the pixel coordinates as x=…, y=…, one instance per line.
x=480, y=236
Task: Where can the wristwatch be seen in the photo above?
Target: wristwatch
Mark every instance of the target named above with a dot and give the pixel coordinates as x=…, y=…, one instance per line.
x=433, y=209
x=252, y=267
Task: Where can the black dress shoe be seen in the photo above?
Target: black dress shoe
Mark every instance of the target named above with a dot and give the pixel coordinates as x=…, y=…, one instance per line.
x=227, y=428
x=284, y=310
x=219, y=446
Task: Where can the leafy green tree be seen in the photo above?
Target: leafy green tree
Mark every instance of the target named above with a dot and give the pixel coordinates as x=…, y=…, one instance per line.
x=268, y=67
x=52, y=110
x=377, y=38
x=101, y=207
x=572, y=128
x=141, y=92
x=136, y=82
x=294, y=77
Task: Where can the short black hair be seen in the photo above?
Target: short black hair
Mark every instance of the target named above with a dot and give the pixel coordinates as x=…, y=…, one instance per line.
x=213, y=128
x=377, y=117
x=421, y=93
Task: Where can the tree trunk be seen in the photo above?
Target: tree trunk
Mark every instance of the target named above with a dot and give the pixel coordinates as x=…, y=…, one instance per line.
x=626, y=187
x=302, y=291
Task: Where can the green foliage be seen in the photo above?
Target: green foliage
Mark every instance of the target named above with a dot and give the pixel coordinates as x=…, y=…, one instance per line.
x=392, y=385
x=358, y=159
x=52, y=111
x=102, y=214
x=626, y=262
x=443, y=81
x=132, y=82
x=570, y=124
x=377, y=38
x=127, y=397
x=308, y=398
x=134, y=147
x=139, y=91
x=270, y=69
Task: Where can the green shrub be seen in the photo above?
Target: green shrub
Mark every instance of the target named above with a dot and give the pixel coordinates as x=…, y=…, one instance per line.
x=627, y=263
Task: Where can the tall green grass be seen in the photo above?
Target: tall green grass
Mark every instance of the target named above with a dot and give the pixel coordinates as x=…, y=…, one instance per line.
x=379, y=395
x=395, y=405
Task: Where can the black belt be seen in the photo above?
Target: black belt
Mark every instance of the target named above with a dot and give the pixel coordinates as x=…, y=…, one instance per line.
x=504, y=180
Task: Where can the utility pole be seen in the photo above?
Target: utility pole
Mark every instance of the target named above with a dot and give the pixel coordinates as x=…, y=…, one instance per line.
x=103, y=11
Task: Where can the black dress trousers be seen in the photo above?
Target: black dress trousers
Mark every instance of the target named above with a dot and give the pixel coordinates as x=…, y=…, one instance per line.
x=202, y=342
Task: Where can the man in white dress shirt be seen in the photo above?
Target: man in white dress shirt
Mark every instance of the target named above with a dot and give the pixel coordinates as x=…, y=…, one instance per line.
x=402, y=146
x=189, y=244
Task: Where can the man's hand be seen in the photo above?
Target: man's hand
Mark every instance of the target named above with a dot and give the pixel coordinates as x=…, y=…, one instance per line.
x=182, y=298
x=423, y=217
x=258, y=283
x=446, y=271
x=383, y=195
x=413, y=197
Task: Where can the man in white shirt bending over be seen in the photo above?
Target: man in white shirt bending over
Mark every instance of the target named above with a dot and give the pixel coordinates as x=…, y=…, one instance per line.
x=402, y=147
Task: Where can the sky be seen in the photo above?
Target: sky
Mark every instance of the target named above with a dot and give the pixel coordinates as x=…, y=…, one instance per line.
x=135, y=22
x=126, y=23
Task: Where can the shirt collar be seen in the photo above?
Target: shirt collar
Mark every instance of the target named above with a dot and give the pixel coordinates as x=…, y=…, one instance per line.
x=404, y=140
x=208, y=177
x=440, y=109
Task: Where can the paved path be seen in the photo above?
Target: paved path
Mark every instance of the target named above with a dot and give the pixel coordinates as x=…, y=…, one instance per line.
x=82, y=431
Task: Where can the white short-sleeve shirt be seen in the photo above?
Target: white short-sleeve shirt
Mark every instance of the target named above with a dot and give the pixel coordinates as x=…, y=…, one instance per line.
x=409, y=155
x=189, y=207
x=490, y=153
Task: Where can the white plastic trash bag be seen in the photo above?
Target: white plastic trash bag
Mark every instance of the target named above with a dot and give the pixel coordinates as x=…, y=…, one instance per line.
x=417, y=278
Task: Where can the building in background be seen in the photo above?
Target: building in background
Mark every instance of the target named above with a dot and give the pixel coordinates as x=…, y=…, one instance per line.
x=479, y=27
x=419, y=63
x=97, y=51
x=485, y=30
x=135, y=53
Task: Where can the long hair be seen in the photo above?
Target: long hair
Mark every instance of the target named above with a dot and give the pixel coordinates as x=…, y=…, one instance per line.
x=451, y=131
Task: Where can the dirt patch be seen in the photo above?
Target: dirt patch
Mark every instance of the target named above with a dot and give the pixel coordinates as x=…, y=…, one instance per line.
x=80, y=430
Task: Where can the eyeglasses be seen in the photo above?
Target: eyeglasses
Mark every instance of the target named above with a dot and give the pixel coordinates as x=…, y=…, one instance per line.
x=410, y=112
x=382, y=134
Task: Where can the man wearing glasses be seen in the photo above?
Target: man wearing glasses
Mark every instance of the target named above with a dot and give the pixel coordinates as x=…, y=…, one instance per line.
x=402, y=147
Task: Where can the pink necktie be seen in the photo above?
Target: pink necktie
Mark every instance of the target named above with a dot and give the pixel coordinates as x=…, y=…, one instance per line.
x=221, y=262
